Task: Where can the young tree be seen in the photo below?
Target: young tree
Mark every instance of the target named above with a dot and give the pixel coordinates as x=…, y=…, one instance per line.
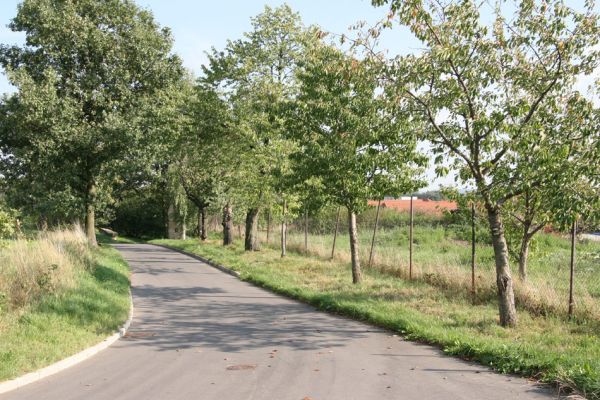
x=256, y=75
x=349, y=136
x=87, y=74
x=483, y=93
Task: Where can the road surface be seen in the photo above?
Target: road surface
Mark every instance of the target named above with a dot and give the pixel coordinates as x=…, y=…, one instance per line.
x=199, y=333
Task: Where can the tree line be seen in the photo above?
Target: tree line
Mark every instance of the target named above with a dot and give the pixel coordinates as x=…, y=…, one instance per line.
x=292, y=118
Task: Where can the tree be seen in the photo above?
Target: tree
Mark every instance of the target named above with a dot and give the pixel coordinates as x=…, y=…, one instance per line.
x=484, y=92
x=86, y=78
x=205, y=158
x=256, y=75
x=349, y=136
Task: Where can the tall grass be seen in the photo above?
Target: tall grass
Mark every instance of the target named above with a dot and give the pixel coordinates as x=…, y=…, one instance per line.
x=47, y=265
x=442, y=260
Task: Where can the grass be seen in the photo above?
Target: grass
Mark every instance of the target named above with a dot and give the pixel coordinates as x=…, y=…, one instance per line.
x=442, y=259
x=88, y=302
x=545, y=348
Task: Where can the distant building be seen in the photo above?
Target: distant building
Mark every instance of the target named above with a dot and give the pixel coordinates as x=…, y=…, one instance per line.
x=419, y=205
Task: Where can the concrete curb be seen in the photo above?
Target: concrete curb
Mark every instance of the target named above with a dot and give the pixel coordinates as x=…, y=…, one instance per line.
x=199, y=258
x=59, y=366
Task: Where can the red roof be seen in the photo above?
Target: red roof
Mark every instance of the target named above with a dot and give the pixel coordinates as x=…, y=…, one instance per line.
x=419, y=205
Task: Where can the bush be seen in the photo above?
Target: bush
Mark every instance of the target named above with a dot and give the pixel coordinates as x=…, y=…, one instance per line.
x=7, y=224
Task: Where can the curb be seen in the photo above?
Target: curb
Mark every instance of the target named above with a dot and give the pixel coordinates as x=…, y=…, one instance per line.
x=68, y=362
x=199, y=258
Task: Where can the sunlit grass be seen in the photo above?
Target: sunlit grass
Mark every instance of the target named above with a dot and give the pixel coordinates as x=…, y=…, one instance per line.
x=83, y=301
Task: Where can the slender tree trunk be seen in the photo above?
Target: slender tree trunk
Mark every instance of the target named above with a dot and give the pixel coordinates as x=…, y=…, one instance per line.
x=504, y=282
x=410, y=238
x=352, y=231
x=572, y=267
x=305, y=231
x=284, y=230
x=172, y=223
x=203, y=230
x=337, y=227
x=268, y=226
x=251, y=242
x=183, y=234
x=374, y=233
x=524, y=252
x=227, y=225
x=90, y=213
x=473, y=243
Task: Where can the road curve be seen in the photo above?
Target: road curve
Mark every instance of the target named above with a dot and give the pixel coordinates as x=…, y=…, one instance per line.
x=199, y=333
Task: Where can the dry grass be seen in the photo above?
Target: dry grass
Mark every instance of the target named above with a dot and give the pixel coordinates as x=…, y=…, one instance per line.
x=48, y=264
x=445, y=263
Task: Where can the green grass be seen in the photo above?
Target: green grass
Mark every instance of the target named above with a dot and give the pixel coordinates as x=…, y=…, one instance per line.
x=546, y=348
x=61, y=324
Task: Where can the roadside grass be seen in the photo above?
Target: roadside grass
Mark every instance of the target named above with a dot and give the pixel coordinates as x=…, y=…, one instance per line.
x=548, y=348
x=60, y=322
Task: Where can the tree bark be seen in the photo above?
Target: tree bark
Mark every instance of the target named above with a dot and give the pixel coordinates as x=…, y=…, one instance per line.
x=337, y=227
x=227, y=225
x=202, y=229
x=524, y=253
x=374, y=233
x=352, y=231
x=90, y=213
x=172, y=231
x=268, y=226
x=284, y=230
x=306, y=231
x=251, y=242
x=504, y=282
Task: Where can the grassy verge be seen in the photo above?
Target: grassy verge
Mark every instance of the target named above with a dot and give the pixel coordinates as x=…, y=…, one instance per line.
x=545, y=348
x=63, y=319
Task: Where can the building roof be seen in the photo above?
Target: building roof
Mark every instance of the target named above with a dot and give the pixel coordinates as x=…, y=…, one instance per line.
x=419, y=205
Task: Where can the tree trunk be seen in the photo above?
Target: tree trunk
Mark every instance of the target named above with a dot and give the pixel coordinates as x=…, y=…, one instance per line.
x=356, y=273
x=524, y=253
x=183, y=231
x=172, y=231
x=374, y=233
x=227, y=225
x=504, y=282
x=268, y=226
x=203, y=230
x=306, y=231
x=251, y=241
x=284, y=230
x=90, y=213
x=337, y=227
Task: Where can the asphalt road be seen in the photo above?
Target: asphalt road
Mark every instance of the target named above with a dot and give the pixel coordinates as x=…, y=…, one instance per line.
x=199, y=333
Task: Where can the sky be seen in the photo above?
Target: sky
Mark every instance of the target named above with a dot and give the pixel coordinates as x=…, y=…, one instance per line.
x=199, y=25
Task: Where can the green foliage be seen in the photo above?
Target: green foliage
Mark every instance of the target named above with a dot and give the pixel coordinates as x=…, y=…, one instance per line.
x=350, y=138
x=140, y=214
x=7, y=223
x=89, y=79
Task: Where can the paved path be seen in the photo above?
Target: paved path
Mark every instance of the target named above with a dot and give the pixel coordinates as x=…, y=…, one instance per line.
x=198, y=333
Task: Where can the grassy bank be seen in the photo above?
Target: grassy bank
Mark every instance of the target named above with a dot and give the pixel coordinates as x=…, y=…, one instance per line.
x=546, y=348
x=58, y=297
